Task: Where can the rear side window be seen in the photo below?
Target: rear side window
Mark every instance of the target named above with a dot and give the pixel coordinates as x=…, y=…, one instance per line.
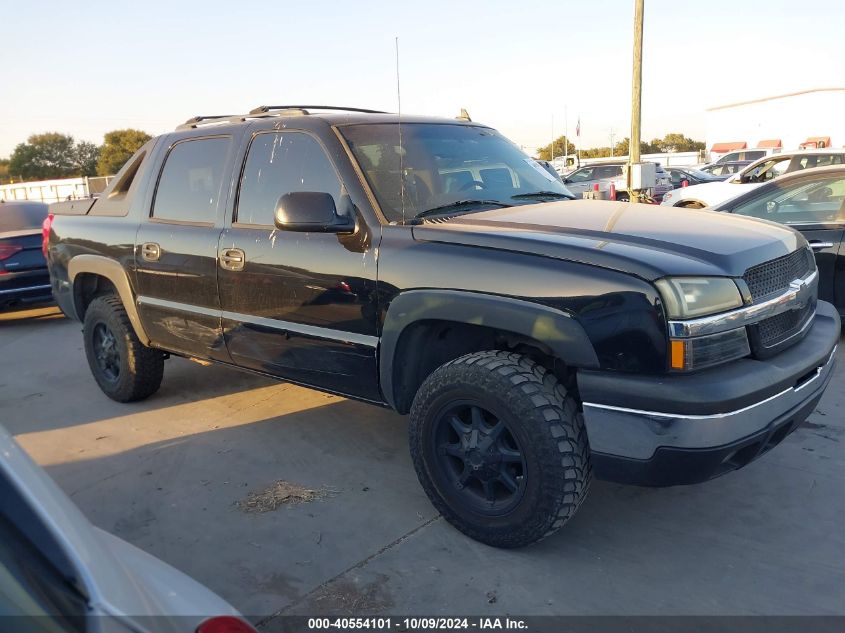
x=280, y=163
x=191, y=182
x=817, y=201
x=21, y=216
x=820, y=160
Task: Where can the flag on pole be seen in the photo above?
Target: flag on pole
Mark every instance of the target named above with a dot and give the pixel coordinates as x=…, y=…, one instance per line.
x=578, y=127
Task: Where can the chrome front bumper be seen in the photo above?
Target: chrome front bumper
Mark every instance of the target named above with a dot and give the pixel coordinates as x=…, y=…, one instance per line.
x=637, y=434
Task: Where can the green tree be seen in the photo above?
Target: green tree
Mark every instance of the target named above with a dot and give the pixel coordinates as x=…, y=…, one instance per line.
x=4, y=171
x=43, y=156
x=545, y=153
x=623, y=147
x=595, y=152
x=118, y=147
x=677, y=142
x=86, y=156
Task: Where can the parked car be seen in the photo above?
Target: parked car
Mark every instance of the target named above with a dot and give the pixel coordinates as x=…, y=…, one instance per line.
x=612, y=172
x=748, y=155
x=751, y=177
x=24, y=278
x=61, y=572
x=535, y=341
x=723, y=171
x=812, y=202
x=677, y=176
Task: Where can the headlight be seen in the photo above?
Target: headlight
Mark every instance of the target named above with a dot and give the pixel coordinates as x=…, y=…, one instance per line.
x=689, y=297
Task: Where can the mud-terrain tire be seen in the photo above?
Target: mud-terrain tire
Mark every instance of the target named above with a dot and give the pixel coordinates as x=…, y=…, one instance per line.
x=124, y=368
x=500, y=448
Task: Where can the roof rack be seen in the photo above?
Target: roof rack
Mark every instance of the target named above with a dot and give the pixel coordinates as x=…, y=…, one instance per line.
x=267, y=109
x=196, y=120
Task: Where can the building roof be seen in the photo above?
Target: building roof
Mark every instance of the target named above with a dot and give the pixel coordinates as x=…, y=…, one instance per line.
x=728, y=147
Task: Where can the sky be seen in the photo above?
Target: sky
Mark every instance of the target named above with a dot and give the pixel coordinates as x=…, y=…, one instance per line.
x=530, y=69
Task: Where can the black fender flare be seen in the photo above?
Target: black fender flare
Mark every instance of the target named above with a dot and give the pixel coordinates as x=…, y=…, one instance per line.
x=114, y=272
x=558, y=330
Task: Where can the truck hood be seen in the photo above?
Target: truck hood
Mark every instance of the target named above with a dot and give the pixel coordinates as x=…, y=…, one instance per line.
x=646, y=240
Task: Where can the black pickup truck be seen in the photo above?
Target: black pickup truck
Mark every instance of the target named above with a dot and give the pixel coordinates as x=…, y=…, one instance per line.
x=429, y=266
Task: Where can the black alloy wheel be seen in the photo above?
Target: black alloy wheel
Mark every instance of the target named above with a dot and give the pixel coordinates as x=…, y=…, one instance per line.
x=480, y=456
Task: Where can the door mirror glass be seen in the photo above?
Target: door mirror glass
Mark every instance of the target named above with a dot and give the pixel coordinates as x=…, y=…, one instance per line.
x=307, y=211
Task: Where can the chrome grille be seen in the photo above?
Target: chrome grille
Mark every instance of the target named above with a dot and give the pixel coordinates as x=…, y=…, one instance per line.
x=774, y=277
x=780, y=327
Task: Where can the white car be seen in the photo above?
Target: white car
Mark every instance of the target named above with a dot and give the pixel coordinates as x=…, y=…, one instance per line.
x=754, y=175
x=59, y=572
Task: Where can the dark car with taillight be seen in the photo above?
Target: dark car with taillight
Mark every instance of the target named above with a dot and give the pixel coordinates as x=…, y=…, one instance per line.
x=24, y=278
x=430, y=266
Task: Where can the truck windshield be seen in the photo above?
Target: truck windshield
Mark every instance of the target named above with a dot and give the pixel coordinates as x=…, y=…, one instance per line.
x=439, y=164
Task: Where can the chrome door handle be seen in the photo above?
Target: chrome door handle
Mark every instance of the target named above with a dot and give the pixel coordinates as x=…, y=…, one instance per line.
x=232, y=259
x=150, y=251
x=818, y=246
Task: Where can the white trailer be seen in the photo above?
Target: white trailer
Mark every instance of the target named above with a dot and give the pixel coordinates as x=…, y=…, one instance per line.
x=565, y=164
x=55, y=190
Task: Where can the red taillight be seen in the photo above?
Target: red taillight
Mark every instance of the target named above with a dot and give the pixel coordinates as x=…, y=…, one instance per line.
x=7, y=250
x=45, y=233
x=225, y=624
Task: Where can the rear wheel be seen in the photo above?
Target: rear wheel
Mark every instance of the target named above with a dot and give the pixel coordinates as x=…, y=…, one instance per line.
x=500, y=448
x=691, y=205
x=124, y=368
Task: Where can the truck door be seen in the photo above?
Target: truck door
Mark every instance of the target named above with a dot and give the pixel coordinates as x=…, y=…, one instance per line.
x=297, y=305
x=176, y=248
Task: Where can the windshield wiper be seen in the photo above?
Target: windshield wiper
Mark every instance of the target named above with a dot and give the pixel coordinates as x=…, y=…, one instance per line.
x=454, y=206
x=542, y=194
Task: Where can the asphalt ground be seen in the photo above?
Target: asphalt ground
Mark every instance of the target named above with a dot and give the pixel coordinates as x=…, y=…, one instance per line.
x=190, y=476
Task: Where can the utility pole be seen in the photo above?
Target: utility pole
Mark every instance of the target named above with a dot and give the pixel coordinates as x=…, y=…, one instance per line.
x=636, y=92
x=565, y=135
x=612, y=136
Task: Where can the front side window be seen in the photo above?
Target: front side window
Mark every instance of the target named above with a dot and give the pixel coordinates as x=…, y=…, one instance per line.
x=423, y=167
x=582, y=175
x=279, y=163
x=766, y=170
x=819, y=201
x=191, y=182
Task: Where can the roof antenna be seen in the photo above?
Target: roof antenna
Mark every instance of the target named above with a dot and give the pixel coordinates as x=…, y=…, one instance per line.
x=401, y=151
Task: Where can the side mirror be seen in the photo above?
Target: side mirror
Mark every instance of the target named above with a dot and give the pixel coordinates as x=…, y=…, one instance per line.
x=311, y=211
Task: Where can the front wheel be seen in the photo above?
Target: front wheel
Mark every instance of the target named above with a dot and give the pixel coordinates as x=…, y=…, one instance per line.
x=500, y=448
